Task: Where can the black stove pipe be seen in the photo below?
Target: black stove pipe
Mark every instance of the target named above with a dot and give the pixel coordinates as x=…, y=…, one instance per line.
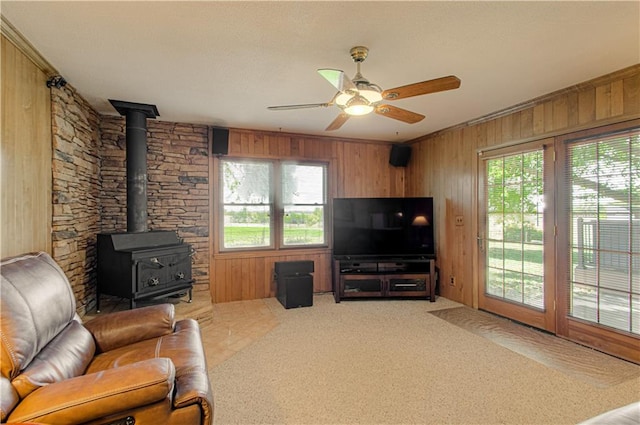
x=136, y=140
x=136, y=171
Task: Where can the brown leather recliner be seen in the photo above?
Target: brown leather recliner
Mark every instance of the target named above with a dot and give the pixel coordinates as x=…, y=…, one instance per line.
x=137, y=366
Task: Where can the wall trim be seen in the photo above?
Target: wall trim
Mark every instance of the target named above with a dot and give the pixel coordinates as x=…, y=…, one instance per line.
x=558, y=133
x=620, y=74
x=321, y=138
x=14, y=36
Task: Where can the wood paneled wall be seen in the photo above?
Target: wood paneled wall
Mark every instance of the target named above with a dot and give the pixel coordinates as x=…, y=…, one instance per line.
x=49, y=163
x=356, y=168
x=250, y=276
x=444, y=164
x=25, y=223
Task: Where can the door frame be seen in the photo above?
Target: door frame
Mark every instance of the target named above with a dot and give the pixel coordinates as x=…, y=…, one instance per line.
x=619, y=343
x=539, y=318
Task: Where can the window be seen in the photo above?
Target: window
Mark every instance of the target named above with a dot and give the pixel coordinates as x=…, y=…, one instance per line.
x=247, y=204
x=603, y=197
x=272, y=204
x=514, y=228
x=303, y=199
x=516, y=232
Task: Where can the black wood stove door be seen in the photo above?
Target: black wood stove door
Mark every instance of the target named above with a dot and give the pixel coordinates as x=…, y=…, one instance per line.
x=161, y=271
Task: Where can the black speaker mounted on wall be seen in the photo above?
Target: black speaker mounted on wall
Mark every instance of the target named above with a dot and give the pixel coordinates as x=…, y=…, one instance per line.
x=400, y=155
x=220, y=144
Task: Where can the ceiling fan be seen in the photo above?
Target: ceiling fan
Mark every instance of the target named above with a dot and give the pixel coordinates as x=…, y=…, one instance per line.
x=360, y=97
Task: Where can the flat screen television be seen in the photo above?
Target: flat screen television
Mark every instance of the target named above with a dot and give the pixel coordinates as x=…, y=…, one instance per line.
x=383, y=227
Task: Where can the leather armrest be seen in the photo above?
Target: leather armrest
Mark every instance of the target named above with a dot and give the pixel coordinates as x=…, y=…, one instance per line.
x=89, y=397
x=114, y=330
x=195, y=389
x=192, y=382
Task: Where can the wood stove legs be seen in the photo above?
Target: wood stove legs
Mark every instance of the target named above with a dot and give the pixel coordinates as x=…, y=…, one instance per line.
x=133, y=300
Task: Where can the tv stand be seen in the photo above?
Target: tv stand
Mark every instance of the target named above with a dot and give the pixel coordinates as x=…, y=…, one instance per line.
x=384, y=278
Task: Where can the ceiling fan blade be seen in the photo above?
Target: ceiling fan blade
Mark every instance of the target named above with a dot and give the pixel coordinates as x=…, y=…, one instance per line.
x=425, y=87
x=337, y=78
x=303, y=106
x=338, y=122
x=398, y=114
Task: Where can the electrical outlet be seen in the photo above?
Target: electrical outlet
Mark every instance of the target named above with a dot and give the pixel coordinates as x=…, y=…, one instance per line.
x=452, y=281
x=459, y=220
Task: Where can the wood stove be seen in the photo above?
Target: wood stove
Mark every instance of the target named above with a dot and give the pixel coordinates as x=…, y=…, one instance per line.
x=141, y=264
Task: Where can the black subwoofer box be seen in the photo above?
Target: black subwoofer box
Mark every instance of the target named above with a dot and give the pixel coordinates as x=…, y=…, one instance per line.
x=294, y=283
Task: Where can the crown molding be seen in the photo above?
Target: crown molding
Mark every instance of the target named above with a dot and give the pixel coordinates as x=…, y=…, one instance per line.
x=13, y=35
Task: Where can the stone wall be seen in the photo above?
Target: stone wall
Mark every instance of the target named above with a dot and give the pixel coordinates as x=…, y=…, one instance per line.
x=89, y=188
x=177, y=188
x=75, y=191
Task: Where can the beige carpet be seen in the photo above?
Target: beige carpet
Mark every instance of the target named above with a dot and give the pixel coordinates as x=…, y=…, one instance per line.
x=580, y=362
x=392, y=362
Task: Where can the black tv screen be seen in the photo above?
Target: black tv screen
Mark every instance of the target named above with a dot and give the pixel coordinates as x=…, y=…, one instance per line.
x=383, y=227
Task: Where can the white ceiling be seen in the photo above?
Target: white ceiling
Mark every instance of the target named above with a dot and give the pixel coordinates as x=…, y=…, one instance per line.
x=223, y=63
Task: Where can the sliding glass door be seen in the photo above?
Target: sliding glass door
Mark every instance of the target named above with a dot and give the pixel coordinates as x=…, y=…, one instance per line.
x=599, y=284
x=559, y=236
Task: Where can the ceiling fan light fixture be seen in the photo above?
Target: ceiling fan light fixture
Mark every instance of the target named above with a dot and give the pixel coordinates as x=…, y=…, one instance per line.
x=357, y=96
x=358, y=105
x=370, y=92
x=343, y=98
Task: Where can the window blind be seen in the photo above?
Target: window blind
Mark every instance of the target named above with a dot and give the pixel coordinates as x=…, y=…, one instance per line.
x=602, y=198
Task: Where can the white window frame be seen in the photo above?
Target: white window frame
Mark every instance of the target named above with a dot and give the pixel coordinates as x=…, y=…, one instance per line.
x=276, y=206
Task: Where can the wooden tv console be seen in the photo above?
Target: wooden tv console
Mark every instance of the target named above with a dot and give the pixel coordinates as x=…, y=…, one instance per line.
x=384, y=278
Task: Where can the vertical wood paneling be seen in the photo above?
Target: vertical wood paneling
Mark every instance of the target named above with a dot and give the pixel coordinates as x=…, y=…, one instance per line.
x=617, y=98
x=26, y=155
x=235, y=283
x=444, y=164
x=526, y=123
x=491, y=126
x=251, y=277
x=464, y=232
x=603, y=101
x=258, y=144
x=560, y=113
x=507, y=128
x=631, y=94
x=586, y=106
x=357, y=169
x=572, y=109
x=548, y=118
x=244, y=278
